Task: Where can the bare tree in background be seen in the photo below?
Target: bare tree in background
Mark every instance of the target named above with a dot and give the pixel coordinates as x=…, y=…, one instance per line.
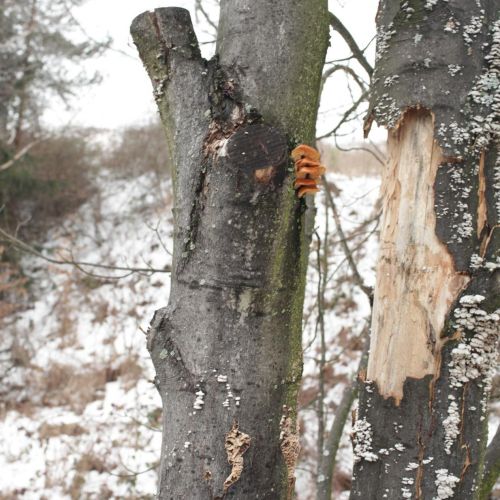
x=39, y=54
x=227, y=349
x=421, y=426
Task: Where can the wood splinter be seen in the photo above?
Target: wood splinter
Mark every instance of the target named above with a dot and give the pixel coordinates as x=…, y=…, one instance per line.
x=308, y=169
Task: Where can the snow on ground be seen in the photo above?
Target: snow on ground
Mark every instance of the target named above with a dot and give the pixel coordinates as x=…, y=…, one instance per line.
x=84, y=415
x=346, y=314
x=81, y=416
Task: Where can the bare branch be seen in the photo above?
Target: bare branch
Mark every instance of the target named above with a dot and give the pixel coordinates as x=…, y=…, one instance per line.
x=20, y=154
x=204, y=13
x=342, y=67
x=345, y=116
x=343, y=241
x=342, y=59
x=80, y=265
x=361, y=148
x=337, y=25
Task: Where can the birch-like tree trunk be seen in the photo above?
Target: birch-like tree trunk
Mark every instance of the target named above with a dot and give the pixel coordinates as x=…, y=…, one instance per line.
x=227, y=348
x=420, y=430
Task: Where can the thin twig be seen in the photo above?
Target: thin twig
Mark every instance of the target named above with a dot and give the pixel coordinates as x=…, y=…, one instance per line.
x=347, y=69
x=132, y=474
x=343, y=241
x=199, y=7
x=156, y=230
x=21, y=245
x=345, y=116
x=360, y=148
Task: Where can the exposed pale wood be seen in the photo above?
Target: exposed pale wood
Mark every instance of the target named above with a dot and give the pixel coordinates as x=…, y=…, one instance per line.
x=416, y=276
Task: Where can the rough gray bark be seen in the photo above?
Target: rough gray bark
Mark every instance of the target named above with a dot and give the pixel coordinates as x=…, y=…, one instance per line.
x=227, y=348
x=421, y=425
x=491, y=466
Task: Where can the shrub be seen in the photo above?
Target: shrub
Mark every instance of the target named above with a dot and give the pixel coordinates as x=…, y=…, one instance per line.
x=49, y=182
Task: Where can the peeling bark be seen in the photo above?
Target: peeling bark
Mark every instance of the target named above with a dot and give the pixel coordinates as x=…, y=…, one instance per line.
x=421, y=424
x=228, y=345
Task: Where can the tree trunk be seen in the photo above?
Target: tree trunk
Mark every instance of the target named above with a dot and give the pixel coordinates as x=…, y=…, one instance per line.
x=421, y=425
x=227, y=348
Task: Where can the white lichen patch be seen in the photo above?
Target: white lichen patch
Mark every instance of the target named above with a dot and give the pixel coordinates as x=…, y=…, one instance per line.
x=451, y=425
x=475, y=356
x=486, y=126
x=399, y=447
x=200, y=400
x=384, y=35
x=362, y=441
x=453, y=69
x=477, y=262
x=405, y=7
x=473, y=29
x=159, y=89
x=445, y=483
x=430, y=4
x=386, y=110
x=405, y=493
x=390, y=80
x=463, y=224
x=452, y=25
x=411, y=466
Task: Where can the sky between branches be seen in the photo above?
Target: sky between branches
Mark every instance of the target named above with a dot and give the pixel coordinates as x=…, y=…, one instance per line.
x=125, y=95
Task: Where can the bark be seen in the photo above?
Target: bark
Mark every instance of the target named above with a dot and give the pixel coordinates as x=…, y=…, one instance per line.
x=227, y=348
x=491, y=466
x=421, y=425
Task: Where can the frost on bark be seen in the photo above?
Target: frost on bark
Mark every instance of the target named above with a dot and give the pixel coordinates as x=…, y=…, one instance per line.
x=227, y=348
x=421, y=424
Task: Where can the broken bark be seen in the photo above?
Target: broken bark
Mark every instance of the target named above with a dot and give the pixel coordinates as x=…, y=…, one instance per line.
x=420, y=430
x=228, y=346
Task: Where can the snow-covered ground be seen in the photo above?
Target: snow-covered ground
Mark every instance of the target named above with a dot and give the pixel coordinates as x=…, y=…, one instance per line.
x=81, y=416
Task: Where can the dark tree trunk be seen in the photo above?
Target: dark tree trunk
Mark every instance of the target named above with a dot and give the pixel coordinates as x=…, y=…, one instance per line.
x=227, y=349
x=421, y=425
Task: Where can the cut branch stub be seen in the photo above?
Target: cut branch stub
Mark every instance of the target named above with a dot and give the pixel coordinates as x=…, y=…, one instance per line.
x=181, y=40
x=260, y=151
